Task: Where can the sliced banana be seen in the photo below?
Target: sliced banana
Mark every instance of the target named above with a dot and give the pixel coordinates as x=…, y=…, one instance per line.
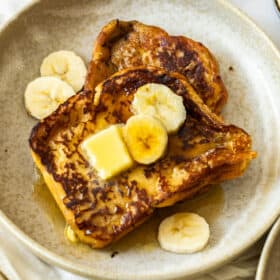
x=67, y=66
x=146, y=138
x=183, y=233
x=161, y=102
x=44, y=94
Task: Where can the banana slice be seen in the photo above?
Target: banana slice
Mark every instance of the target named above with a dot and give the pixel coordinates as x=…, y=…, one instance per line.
x=146, y=138
x=183, y=233
x=161, y=102
x=44, y=94
x=67, y=66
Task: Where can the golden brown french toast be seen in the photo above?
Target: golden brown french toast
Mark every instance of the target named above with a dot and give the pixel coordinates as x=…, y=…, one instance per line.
x=204, y=151
x=123, y=44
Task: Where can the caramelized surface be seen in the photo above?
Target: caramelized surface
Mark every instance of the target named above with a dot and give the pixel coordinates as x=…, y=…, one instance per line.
x=123, y=44
x=204, y=151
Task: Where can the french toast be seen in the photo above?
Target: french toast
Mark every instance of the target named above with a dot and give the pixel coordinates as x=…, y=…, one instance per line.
x=123, y=44
x=204, y=151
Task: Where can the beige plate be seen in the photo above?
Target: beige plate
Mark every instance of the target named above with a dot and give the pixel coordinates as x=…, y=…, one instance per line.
x=239, y=212
x=269, y=264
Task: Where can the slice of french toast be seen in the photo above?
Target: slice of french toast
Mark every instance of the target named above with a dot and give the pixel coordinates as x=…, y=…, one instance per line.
x=123, y=44
x=204, y=151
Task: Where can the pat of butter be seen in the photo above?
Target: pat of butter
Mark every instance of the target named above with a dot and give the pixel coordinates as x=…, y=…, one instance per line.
x=70, y=234
x=107, y=152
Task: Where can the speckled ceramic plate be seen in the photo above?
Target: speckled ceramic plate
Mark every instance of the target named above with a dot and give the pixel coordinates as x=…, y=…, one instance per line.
x=269, y=264
x=238, y=212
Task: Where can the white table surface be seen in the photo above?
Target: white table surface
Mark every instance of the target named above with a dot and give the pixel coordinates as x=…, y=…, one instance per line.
x=17, y=263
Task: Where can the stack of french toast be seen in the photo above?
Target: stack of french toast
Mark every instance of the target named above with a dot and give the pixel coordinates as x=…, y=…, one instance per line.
x=200, y=149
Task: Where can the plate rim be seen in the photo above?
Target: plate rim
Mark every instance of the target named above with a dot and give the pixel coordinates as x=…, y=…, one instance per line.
x=54, y=259
x=269, y=242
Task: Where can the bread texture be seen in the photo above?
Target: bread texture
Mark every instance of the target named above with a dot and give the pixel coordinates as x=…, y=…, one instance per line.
x=124, y=44
x=204, y=151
